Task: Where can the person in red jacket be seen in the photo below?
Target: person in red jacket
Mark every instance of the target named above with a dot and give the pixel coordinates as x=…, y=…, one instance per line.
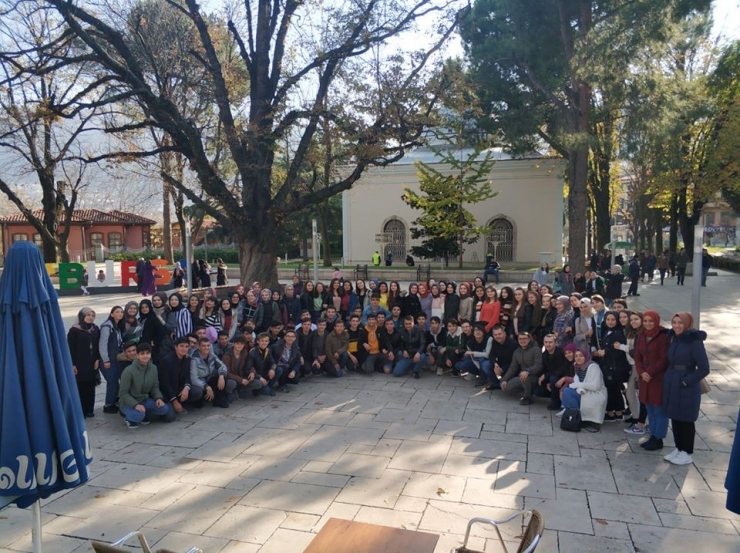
x=651, y=362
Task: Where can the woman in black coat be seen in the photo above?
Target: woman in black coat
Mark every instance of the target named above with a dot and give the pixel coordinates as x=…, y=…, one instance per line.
x=410, y=303
x=687, y=366
x=614, y=365
x=153, y=330
x=452, y=302
x=83, y=339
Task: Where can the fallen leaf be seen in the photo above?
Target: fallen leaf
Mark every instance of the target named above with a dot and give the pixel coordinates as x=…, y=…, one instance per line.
x=233, y=498
x=601, y=521
x=318, y=403
x=440, y=491
x=274, y=405
x=99, y=496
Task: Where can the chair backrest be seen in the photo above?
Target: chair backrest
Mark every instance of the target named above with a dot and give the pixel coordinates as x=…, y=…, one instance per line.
x=99, y=547
x=533, y=533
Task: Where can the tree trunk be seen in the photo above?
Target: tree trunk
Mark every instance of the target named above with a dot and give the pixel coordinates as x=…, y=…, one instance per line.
x=658, y=214
x=167, y=224
x=577, y=205
x=304, y=242
x=324, y=230
x=257, y=261
x=673, y=222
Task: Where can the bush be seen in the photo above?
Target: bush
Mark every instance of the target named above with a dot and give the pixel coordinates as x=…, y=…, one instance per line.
x=727, y=263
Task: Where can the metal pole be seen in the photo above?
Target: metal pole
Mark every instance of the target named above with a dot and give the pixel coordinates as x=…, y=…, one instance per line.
x=697, y=275
x=36, y=528
x=613, y=248
x=205, y=245
x=315, y=248
x=188, y=259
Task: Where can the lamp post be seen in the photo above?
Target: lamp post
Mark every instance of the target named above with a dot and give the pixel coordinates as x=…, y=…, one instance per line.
x=315, y=250
x=188, y=259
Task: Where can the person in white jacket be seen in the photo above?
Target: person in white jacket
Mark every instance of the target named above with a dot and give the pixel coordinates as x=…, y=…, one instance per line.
x=587, y=392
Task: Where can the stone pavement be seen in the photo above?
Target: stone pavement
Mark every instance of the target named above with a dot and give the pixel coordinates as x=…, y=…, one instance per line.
x=429, y=454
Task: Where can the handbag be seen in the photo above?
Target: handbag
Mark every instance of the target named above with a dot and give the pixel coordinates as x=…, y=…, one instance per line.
x=704, y=386
x=571, y=420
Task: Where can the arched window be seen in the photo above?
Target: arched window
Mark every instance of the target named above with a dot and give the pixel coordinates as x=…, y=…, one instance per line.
x=114, y=240
x=395, y=239
x=500, y=240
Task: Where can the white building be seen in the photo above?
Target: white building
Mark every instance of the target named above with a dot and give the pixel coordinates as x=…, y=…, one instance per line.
x=525, y=218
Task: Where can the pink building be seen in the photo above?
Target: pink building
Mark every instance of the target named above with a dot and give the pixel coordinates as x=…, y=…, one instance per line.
x=94, y=233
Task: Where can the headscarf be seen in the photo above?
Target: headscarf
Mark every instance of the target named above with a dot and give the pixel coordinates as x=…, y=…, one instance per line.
x=81, y=324
x=161, y=312
x=565, y=300
x=226, y=312
x=656, y=329
x=587, y=355
x=570, y=347
x=125, y=310
x=686, y=318
x=180, y=305
x=148, y=302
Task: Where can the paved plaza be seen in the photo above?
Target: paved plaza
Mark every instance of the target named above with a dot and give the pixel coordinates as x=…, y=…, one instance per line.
x=267, y=473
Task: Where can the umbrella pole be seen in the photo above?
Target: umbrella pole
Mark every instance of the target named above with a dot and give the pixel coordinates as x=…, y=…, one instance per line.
x=36, y=530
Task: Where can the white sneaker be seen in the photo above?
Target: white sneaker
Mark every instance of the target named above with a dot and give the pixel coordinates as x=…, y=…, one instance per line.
x=560, y=413
x=682, y=458
x=671, y=455
x=469, y=377
x=440, y=371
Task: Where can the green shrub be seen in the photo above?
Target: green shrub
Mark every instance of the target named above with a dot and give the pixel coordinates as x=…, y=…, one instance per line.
x=727, y=263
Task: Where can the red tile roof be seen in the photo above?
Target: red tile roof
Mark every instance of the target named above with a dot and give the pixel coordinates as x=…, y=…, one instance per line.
x=88, y=216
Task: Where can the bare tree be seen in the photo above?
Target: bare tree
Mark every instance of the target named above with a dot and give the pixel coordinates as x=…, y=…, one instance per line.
x=292, y=69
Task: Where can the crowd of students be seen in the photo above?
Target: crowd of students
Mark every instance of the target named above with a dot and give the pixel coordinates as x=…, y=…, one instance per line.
x=582, y=350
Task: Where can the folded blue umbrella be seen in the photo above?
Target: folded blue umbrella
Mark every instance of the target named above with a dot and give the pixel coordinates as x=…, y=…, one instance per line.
x=45, y=446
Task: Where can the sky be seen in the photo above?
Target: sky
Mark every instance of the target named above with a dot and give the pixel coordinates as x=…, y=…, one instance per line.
x=727, y=19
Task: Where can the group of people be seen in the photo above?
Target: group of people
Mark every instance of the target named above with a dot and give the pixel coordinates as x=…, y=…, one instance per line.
x=581, y=350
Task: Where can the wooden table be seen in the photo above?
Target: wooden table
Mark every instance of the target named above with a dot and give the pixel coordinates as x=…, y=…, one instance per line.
x=346, y=536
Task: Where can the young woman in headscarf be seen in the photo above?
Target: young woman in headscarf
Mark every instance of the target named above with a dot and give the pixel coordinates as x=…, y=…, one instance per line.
x=425, y=300
x=269, y=310
x=563, y=320
x=687, y=366
x=438, y=301
x=651, y=362
x=153, y=330
x=452, y=302
x=229, y=321
x=131, y=325
x=110, y=345
x=410, y=303
x=221, y=268
x=149, y=282
x=83, y=339
x=587, y=391
x=177, y=276
x=613, y=363
x=632, y=325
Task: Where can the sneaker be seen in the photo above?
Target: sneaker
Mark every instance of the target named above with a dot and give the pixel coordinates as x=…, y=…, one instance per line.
x=554, y=406
x=440, y=371
x=634, y=430
x=653, y=444
x=283, y=389
x=417, y=376
x=610, y=418
x=455, y=373
x=469, y=377
x=132, y=425
x=671, y=455
x=526, y=400
x=560, y=413
x=110, y=409
x=681, y=459
x=618, y=418
x=145, y=421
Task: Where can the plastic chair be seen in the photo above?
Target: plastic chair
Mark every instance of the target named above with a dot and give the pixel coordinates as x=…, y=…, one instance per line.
x=117, y=547
x=530, y=539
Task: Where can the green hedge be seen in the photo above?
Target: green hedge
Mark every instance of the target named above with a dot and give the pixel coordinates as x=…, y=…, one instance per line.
x=727, y=263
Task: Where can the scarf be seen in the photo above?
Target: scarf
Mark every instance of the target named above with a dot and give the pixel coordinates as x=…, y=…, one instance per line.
x=81, y=324
x=686, y=318
x=656, y=318
x=180, y=305
x=582, y=369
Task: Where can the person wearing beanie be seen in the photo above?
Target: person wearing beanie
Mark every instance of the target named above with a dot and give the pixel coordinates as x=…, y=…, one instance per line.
x=687, y=366
x=651, y=362
x=587, y=391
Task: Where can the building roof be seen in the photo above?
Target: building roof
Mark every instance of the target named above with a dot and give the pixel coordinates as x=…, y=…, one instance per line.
x=92, y=216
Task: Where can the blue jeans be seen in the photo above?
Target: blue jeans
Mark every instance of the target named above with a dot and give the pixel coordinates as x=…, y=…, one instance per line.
x=571, y=399
x=112, y=376
x=150, y=405
x=468, y=365
x=405, y=363
x=487, y=272
x=658, y=421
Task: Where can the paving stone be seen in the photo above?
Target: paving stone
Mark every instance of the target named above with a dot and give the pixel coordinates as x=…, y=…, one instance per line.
x=346, y=511
x=452, y=428
x=491, y=449
x=450, y=517
x=643, y=475
x=580, y=543
x=412, y=504
x=137, y=454
x=289, y=496
x=367, y=420
x=700, y=524
x=466, y=466
x=386, y=447
x=483, y=492
x=568, y=512
x=420, y=456
x=397, y=415
x=167, y=496
x=300, y=521
x=179, y=541
x=143, y=479
x=525, y=484
x=539, y=463
x=564, y=443
x=277, y=443
x=440, y=409
x=611, y=529
x=368, y=466
x=677, y=506
x=435, y=486
x=51, y=543
x=394, y=518
x=196, y=511
x=421, y=430
x=319, y=479
x=210, y=473
x=102, y=526
x=373, y=492
x=488, y=418
x=670, y=540
x=246, y=524
x=540, y=428
x=590, y=472
x=86, y=501
x=708, y=504
x=449, y=542
x=622, y=508
x=317, y=466
x=287, y=540
x=715, y=479
x=333, y=418
x=274, y=468
x=219, y=450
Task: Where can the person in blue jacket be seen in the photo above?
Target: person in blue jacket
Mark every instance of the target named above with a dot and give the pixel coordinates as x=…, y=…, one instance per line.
x=732, y=481
x=687, y=366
